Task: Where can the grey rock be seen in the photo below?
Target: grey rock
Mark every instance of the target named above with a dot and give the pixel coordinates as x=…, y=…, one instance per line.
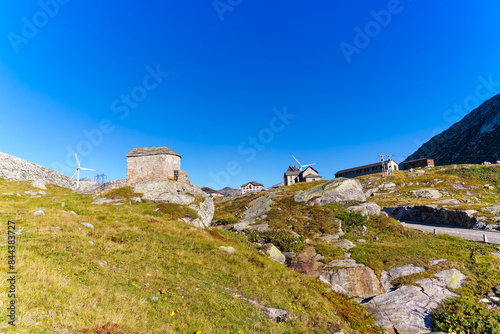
x=274, y=253
x=89, y=225
x=338, y=190
x=355, y=280
x=169, y=191
x=345, y=244
x=38, y=184
x=103, y=200
x=371, y=192
x=494, y=209
x=453, y=278
x=259, y=227
x=366, y=209
x=154, y=299
x=344, y=263
x=388, y=185
x=227, y=249
x=431, y=214
x=426, y=193
x=330, y=237
x=408, y=309
x=387, y=277
x=450, y=201
x=435, y=262
x=39, y=212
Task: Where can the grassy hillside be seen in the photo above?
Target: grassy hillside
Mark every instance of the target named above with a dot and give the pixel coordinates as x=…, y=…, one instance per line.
x=480, y=186
x=71, y=277
x=387, y=244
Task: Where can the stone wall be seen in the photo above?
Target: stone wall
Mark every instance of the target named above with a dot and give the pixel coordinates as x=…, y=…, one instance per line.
x=181, y=176
x=152, y=167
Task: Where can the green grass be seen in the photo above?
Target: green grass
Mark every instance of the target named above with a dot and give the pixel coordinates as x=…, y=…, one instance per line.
x=72, y=278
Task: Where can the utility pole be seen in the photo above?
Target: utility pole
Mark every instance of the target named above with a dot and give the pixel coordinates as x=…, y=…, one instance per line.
x=382, y=162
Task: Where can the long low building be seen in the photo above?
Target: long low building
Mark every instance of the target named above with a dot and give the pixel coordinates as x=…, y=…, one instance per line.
x=390, y=166
x=424, y=162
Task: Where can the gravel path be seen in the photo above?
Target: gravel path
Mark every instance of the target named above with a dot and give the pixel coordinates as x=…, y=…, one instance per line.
x=475, y=235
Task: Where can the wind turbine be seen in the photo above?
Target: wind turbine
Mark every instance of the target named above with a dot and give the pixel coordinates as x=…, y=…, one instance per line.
x=78, y=171
x=302, y=166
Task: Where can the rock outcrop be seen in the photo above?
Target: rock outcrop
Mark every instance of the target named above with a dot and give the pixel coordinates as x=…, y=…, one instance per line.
x=474, y=139
x=433, y=215
x=17, y=169
x=338, y=190
x=407, y=310
x=169, y=191
x=352, y=279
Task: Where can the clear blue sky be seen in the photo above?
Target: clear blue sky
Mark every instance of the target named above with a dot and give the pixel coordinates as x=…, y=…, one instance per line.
x=236, y=86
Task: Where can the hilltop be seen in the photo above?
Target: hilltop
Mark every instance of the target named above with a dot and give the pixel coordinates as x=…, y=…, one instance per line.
x=474, y=139
x=311, y=257
x=140, y=265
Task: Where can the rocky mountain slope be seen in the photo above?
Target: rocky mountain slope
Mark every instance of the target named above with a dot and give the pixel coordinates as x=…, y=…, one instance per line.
x=474, y=139
x=14, y=168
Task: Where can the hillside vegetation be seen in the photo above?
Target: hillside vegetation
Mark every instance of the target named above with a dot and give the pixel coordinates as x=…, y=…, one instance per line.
x=73, y=276
x=387, y=244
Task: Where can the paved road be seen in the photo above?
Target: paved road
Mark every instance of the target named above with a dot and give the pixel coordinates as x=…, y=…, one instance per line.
x=476, y=235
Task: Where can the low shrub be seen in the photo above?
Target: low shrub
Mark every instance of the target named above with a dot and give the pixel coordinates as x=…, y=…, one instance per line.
x=351, y=220
x=284, y=240
x=464, y=316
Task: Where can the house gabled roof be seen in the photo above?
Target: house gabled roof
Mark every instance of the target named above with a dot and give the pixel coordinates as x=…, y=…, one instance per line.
x=310, y=168
x=292, y=171
x=144, y=151
x=252, y=183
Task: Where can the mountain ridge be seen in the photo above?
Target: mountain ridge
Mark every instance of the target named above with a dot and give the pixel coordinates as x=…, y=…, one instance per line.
x=474, y=139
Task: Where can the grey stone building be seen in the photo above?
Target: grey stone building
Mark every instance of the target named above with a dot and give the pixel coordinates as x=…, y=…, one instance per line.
x=294, y=175
x=154, y=163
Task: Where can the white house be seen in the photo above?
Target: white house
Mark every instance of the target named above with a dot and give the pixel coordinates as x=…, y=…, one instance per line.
x=251, y=187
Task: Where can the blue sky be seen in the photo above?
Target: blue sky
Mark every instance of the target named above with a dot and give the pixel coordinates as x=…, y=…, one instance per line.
x=236, y=86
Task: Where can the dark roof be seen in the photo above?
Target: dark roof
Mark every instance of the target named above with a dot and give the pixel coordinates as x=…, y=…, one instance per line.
x=292, y=171
x=208, y=190
x=312, y=175
x=142, y=151
x=253, y=183
x=361, y=167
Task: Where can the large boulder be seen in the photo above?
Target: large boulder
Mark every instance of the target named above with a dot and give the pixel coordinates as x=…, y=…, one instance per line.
x=366, y=209
x=407, y=310
x=387, y=277
x=338, y=190
x=169, y=191
x=433, y=215
x=352, y=279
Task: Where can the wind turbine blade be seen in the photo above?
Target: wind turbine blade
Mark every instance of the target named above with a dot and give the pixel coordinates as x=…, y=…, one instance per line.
x=296, y=160
x=95, y=170
x=309, y=164
x=75, y=173
x=77, y=159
